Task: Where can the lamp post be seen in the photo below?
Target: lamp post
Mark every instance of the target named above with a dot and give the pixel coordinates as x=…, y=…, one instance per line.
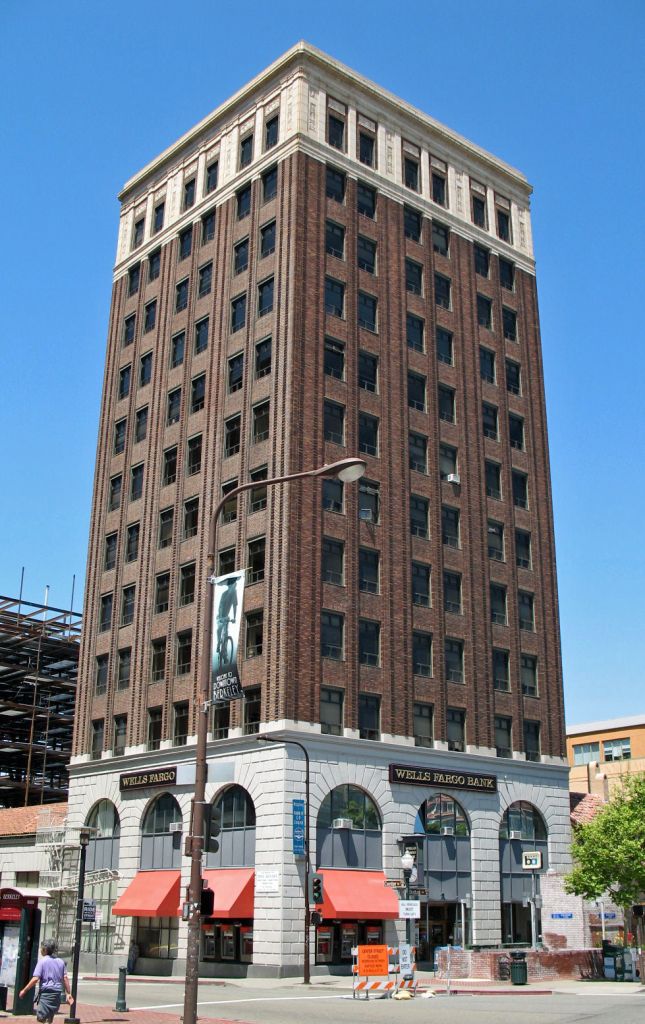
x=466, y=903
x=407, y=863
x=84, y=841
x=346, y=470
x=306, y=973
x=601, y=908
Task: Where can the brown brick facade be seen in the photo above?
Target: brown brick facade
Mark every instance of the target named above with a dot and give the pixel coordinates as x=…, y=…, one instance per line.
x=290, y=670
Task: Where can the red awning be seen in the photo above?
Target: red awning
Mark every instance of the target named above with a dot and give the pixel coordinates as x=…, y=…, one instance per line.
x=234, y=890
x=150, y=894
x=362, y=895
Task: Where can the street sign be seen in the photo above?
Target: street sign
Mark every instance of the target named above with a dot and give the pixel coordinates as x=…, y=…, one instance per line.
x=409, y=908
x=89, y=910
x=98, y=919
x=419, y=890
x=532, y=860
x=394, y=883
x=298, y=827
x=405, y=959
x=562, y=916
x=372, y=961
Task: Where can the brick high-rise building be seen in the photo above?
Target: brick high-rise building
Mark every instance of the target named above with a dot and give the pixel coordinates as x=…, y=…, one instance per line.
x=319, y=270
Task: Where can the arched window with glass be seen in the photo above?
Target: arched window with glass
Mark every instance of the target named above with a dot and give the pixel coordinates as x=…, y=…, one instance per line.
x=349, y=832
x=235, y=812
x=522, y=831
x=101, y=878
x=103, y=850
x=161, y=834
x=445, y=851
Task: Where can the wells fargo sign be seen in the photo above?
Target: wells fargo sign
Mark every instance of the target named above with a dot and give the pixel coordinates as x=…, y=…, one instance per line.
x=413, y=775
x=158, y=777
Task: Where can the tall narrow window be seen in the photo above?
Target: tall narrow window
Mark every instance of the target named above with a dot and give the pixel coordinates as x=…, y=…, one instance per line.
x=422, y=725
x=369, y=716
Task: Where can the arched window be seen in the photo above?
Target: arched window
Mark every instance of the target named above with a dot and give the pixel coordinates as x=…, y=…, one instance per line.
x=103, y=851
x=524, y=820
x=443, y=859
x=236, y=813
x=161, y=836
x=349, y=830
x=522, y=830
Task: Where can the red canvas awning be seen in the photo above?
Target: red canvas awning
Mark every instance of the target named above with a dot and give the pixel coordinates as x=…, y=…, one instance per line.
x=150, y=894
x=362, y=895
x=234, y=890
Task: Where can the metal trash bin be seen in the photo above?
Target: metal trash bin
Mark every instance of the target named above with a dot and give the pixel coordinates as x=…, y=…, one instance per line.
x=519, y=968
x=613, y=961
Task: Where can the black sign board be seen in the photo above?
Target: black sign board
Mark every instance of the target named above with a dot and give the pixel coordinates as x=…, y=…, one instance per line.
x=414, y=775
x=154, y=777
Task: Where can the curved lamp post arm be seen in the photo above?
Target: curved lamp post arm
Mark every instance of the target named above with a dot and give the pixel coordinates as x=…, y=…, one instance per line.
x=347, y=470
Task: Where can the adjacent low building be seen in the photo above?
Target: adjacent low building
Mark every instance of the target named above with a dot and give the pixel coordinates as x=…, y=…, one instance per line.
x=601, y=754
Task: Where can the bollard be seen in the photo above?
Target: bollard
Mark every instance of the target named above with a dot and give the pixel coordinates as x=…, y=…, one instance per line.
x=121, y=1005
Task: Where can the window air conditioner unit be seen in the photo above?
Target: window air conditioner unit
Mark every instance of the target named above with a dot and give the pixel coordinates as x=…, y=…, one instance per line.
x=447, y=830
x=342, y=823
x=366, y=514
x=453, y=478
x=175, y=826
x=514, y=835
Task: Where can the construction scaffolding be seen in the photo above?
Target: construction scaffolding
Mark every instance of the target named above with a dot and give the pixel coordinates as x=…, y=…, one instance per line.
x=39, y=649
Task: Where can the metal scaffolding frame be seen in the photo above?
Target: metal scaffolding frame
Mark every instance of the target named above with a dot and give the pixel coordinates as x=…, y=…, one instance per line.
x=39, y=648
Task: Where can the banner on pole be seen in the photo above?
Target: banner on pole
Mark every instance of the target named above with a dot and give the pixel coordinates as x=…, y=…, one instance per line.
x=228, y=601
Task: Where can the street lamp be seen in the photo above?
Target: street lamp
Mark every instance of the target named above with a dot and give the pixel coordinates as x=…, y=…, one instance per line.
x=407, y=863
x=347, y=470
x=306, y=973
x=84, y=841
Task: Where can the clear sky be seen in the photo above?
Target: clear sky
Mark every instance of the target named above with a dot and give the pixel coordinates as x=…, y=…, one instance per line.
x=91, y=91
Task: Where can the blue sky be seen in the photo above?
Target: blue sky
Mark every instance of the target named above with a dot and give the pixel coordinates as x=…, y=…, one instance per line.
x=89, y=92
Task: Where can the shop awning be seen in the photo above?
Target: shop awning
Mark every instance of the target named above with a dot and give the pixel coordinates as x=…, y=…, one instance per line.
x=357, y=895
x=234, y=890
x=150, y=894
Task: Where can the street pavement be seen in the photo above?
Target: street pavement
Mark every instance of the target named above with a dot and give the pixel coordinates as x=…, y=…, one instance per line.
x=328, y=1000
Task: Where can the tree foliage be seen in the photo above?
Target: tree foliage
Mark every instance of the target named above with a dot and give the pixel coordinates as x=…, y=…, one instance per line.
x=609, y=851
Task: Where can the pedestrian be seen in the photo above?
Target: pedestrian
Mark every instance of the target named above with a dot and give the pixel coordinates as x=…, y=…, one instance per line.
x=51, y=972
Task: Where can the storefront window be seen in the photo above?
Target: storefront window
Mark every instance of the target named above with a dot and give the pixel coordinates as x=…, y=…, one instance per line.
x=349, y=830
x=157, y=937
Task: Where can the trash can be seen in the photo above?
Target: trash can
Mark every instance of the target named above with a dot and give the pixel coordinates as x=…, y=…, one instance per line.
x=519, y=968
x=613, y=961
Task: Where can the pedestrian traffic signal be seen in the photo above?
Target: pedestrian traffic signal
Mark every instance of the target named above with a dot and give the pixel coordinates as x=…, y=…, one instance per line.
x=207, y=904
x=212, y=828
x=316, y=889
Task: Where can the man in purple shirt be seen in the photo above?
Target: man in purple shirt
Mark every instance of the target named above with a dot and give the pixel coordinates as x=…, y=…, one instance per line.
x=51, y=972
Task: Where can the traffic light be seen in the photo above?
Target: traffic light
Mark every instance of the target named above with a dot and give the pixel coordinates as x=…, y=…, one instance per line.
x=212, y=828
x=316, y=917
x=207, y=903
x=316, y=889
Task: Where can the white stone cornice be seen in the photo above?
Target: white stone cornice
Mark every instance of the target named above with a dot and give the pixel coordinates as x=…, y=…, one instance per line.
x=322, y=153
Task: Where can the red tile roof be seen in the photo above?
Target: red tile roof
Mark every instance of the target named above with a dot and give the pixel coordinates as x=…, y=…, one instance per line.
x=23, y=821
x=584, y=807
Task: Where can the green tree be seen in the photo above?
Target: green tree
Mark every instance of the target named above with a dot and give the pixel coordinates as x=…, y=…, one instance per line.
x=609, y=851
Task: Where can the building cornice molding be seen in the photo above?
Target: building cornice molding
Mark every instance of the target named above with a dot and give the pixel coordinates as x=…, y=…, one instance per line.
x=303, y=59
x=317, y=151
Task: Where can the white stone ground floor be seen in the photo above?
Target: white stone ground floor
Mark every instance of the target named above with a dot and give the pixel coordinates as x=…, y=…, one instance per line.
x=469, y=873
